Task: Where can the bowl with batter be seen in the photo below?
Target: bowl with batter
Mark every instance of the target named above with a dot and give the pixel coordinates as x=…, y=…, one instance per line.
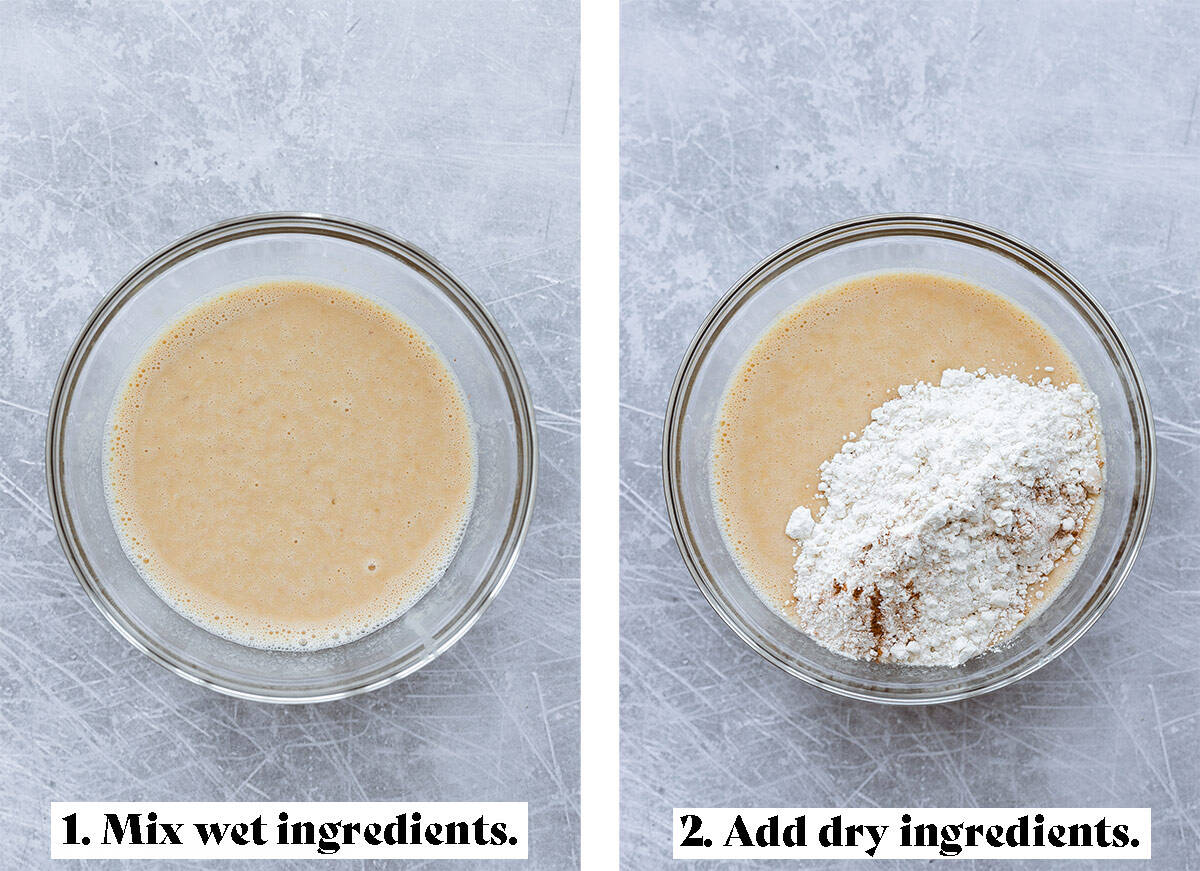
x=908, y=459
x=291, y=457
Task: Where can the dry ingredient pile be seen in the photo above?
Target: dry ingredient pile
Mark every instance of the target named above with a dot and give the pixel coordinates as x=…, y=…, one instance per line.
x=955, y=500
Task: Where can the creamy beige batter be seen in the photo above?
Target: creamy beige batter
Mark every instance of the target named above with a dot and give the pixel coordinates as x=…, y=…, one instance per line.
x=290, y=465
x=814, y=377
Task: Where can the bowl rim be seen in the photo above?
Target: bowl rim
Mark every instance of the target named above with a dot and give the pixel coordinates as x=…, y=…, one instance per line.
x=358, y=232
x=857, y=229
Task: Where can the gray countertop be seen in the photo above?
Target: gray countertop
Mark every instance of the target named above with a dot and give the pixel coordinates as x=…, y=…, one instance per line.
x=1071, y=125
x=122, y=127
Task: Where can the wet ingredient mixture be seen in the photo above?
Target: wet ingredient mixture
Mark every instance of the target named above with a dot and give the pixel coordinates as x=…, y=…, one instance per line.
x=290, y=465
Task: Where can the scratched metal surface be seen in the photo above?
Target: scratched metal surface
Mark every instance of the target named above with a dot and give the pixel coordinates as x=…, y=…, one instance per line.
x=1073, y=126
x=123, y=127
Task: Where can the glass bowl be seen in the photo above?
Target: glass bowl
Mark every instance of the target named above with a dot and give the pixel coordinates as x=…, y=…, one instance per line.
x=985, y=257
x=334, y=251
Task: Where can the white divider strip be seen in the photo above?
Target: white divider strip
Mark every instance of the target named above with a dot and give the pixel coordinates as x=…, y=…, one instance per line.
x=600, y=432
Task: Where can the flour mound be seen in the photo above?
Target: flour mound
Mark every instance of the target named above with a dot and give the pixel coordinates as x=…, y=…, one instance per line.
x=941, y=515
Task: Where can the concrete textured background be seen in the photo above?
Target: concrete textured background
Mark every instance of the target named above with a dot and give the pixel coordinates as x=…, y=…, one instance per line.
x=124, y=126
x=1071, y=125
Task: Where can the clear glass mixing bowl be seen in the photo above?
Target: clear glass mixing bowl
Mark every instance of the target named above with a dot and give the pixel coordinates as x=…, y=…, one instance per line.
x=987, y=258
x=339, y=252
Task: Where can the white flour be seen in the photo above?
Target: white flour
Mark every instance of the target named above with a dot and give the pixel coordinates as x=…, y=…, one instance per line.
x=953, y=501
